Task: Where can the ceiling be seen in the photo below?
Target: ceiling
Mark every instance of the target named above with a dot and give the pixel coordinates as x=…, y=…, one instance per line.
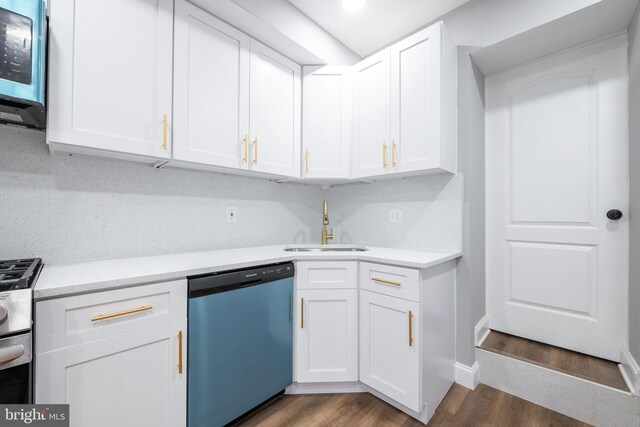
x=378, y=24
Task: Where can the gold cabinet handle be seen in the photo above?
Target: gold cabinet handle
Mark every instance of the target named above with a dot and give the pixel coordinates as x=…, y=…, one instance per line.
x=121, y=313
x=245, y=143
x=306, y=161
x=393, y=154
x=180, y=351
x=384, y=155
x=388, y=282
x=164, y=132
x=301, y=313
x=255, y=150
x=410, y=329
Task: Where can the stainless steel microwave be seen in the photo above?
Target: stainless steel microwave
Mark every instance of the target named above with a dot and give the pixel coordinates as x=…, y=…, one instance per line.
x=23, y=62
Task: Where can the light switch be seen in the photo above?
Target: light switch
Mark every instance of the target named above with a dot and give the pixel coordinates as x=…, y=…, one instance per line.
x=395, y=216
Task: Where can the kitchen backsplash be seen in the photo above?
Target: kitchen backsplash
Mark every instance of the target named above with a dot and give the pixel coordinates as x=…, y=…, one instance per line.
x=68, y=209
x=431, y=212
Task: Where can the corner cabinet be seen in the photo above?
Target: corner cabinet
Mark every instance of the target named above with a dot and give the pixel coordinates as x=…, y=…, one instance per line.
x=406, y=107
x=407, y=334
x=326, y=122
x=110, y=77
x=116, y=357
x=237, y=102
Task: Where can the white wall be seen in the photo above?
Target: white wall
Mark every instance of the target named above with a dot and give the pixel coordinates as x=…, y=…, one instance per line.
x=66, y=209
x=634, y=159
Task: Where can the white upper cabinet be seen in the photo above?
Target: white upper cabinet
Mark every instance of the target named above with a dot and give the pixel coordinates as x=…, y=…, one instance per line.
x=371, y=116
x=211, y=90
x=423, y=102
x=274, y=113
x=326, y=121
x=405, y=102
x=110, y=76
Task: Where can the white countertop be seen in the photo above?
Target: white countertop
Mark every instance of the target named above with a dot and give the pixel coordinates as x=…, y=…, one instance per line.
x=57, y=280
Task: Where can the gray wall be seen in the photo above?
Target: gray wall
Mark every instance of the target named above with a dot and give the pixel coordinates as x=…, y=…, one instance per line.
x=634, y=160
x=67, y=209
x=471, y=300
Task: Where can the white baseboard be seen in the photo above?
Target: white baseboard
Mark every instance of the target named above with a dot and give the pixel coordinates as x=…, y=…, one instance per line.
x=322, y=388
x=482, y=330
x=630, y=371
x=468, y=376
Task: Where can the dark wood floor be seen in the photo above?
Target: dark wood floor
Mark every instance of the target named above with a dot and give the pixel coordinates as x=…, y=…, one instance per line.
x=559, y=359
x=483, y=407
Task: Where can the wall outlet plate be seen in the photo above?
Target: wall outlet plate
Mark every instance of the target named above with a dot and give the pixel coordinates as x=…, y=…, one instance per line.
x=232, y=214
x=395, y=216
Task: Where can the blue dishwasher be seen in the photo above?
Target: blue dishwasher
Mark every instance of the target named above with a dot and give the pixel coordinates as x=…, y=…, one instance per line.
x=240, y=341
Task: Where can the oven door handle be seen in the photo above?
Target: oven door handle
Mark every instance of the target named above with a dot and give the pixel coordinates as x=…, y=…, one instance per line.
x=13, y=352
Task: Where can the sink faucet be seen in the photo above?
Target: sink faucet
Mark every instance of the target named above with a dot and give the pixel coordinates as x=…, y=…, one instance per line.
x=325, y=220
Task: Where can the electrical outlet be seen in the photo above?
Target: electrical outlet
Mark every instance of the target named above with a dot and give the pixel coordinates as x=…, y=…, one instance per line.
x=232, y=214
x=395, y=216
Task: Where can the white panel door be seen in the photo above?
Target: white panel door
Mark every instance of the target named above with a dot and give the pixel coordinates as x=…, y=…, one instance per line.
x=127, y=380
x=211, y=90
x=110, y=75
x=371, y=116
x=274, y=112
x=556, y=163
x=416, y=101
x=327, y=335
x=389, y=347
x=326, y=121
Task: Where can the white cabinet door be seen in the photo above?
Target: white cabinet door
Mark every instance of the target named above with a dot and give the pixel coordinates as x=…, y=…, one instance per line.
x=389, y=347
x=327, y=335
x=416, y=96
x=326, y=121
x=371, y=134
x=127, y=380
x=110, y=68
x=211, y=90
x=274, y=113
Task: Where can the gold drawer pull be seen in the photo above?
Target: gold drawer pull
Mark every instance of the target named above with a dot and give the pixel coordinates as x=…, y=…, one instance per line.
x=180, y=351
x=306, y=161
x=164, y=132
x=255, y=150
x=384, y=155
x=410, y=329
x=121, y=313
x=388, y=282
x=245, y=142
x=393, y=154
x=301, y=313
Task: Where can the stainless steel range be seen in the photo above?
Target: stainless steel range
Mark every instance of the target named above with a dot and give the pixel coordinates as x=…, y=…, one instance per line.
x=17, y=279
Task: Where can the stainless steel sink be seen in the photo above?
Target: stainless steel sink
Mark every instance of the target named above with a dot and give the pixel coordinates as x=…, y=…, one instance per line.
x=329, y=248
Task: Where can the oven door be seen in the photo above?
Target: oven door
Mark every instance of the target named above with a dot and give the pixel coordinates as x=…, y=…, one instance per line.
x=15, y=369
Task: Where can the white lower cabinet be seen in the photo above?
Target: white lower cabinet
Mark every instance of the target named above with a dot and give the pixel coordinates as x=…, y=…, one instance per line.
x=407, y=334
x=326, y=322
x=390, y=347
x=327, y=335
x=136, y=378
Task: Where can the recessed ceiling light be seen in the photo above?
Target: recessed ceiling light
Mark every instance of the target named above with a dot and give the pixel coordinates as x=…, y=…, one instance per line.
x=353, y=5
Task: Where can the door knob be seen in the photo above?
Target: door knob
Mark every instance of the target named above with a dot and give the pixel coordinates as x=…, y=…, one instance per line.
x=614, y=215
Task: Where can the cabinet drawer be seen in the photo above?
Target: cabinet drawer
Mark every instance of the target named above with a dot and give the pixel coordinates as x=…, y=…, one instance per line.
x=74, y=320
x=326, y=275
x=394, y=281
